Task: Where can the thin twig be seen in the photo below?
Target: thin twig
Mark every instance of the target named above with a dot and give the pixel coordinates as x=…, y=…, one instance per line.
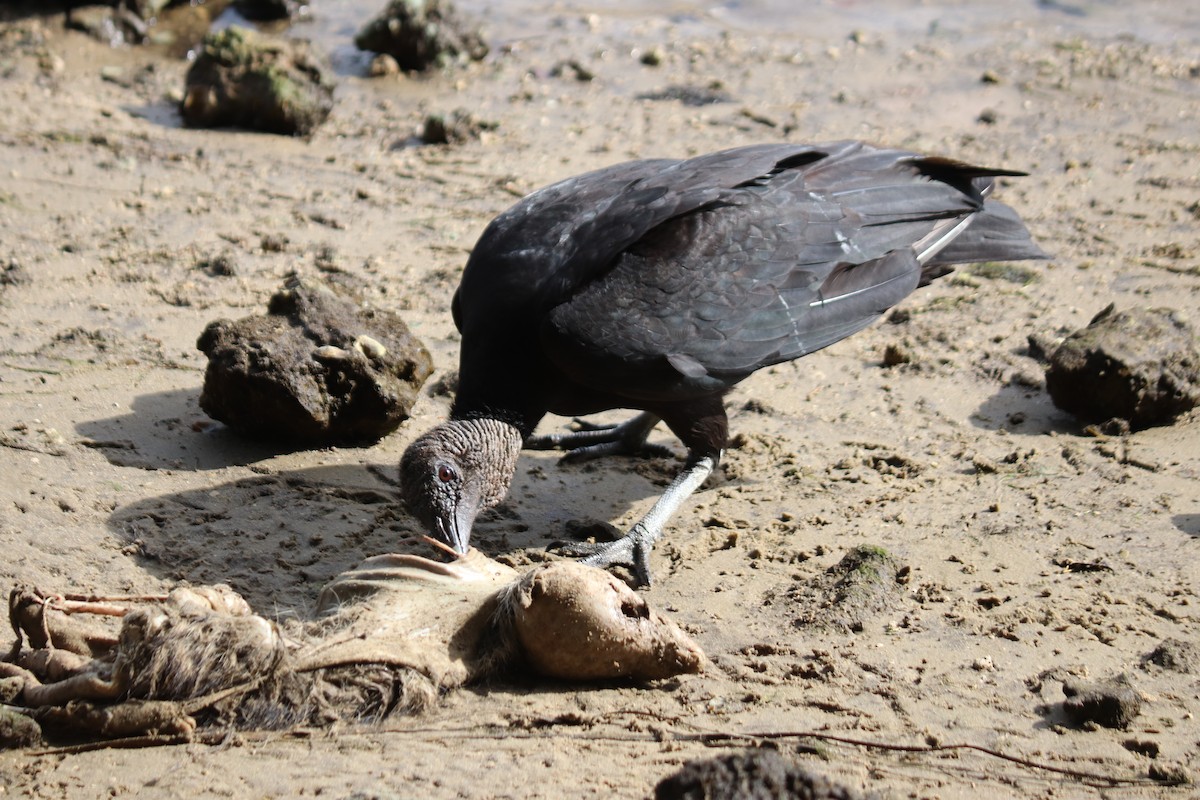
x=35, y=370
x=127, y=743
x=115, y=598
x=445, y=548
x=719, y=738
x=716, y=738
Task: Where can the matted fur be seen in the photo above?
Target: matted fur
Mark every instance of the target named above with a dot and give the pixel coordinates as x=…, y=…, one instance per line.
x=390, y=637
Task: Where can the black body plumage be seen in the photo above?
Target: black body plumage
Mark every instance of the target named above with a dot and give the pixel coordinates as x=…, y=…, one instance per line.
x=655, y=281
x=659, y=284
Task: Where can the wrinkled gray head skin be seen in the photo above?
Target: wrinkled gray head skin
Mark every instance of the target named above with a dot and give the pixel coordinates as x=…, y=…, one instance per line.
x=456, y=470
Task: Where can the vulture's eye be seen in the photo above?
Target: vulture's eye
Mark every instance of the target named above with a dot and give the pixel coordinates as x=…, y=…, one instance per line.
x=446, y=474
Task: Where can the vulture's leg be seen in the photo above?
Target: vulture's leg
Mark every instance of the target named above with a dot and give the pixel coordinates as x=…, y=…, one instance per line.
x=633, y=549
x=593, y=441
x=702, y=426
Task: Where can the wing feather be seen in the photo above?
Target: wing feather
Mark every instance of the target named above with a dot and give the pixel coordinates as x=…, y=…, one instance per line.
x=775, y=268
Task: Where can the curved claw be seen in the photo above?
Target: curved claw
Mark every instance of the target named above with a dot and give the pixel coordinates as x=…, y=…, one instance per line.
x=619, y=448
x=631, y=550
x=580, y=424
x=590, y=440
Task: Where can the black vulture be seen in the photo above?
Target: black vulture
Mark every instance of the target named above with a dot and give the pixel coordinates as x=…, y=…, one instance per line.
x=659, y=284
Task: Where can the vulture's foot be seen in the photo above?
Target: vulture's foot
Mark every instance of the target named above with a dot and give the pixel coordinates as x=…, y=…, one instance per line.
x=631, y=550
x=589, y=440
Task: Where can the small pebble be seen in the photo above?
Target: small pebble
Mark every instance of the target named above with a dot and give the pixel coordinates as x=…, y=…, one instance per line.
x=652, y=57
x=328, y=351
x=369, y=347
x=896, y=354
x=382, y=66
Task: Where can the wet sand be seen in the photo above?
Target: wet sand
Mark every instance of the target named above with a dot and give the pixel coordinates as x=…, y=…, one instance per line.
x=1033, y=553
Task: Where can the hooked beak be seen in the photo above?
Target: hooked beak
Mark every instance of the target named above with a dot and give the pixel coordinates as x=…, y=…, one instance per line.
x=456, y=530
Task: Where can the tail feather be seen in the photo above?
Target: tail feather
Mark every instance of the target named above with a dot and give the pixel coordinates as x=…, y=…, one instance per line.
x=995, y=234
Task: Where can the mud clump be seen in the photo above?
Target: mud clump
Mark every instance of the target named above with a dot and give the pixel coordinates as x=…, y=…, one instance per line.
x=580, y=623
x=319, y=368
x=752, y=775
x=865, y=585
x=1176, y=655
x=1141, y=366
x=1113, y=704
x=421, y=35
x=246, y=80
x=457, y=127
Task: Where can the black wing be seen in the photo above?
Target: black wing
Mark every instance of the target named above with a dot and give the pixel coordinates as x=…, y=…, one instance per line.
x=558, y=239
x=771, y=270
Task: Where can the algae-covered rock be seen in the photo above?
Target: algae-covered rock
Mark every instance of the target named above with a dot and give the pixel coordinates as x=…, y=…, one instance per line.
x=422, y=34
x=318, y=369
x=863, y=589
x=1140, y=365
x=243, y=79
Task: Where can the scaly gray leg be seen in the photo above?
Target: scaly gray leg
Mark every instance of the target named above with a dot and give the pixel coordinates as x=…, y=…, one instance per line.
x=593, y=441
x=633, y=549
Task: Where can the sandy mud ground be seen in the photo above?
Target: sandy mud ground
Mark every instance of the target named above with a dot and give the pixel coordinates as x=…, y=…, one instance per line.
x=1029, y=553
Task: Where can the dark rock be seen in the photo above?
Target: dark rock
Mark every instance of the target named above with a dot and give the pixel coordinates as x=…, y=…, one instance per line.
x=318, y=369
x=1143, y=747
x=262, y=10
x=1170, y=773
x=422, y=34
x=1141, y=365
x=223, y=264
x=653, y=57
x=752, y=775
x=14, y=273
x=693, y=96
x=572, y=68
x=897, y=353
x=243, y=79
x=273, y=242
x=445, y=385
x=455, y=128
x=1113, y=704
